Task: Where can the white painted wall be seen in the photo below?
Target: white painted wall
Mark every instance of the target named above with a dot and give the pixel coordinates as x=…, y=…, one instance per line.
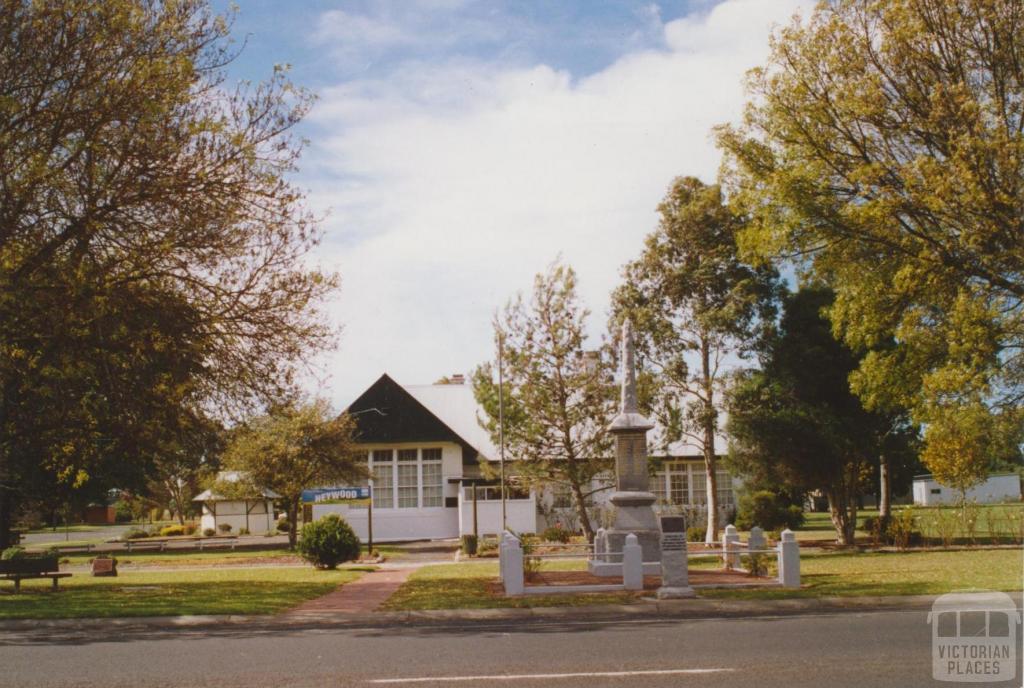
x=397, y=524
x=998, y=488
x=261, y=516
x=521, y=516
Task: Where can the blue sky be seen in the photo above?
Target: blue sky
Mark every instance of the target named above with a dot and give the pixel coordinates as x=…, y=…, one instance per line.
x=458, y=147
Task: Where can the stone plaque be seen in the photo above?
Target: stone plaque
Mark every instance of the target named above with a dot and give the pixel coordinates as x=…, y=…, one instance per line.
x=673, y=524
x=631, y=461
x=673, y=542
x=104, y=566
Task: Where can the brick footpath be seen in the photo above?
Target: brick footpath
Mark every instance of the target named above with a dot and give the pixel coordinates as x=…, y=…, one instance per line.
x=360, y=596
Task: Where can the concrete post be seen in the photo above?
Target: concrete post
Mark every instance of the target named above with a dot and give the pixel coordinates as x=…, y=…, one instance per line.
x=599, y=545
x=789, y=560
x=513, y=580
x=632, y=564
x=731, y=543
x=502, y=559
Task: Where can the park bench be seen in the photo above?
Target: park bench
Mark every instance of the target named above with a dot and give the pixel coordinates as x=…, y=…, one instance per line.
x=218, y=542
x=144, y=544
x=18, y=570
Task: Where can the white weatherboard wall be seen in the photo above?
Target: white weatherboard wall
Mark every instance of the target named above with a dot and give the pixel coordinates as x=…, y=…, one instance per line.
x=521, y=515
x=260, y=519
x=409, y=523
x=997, y=488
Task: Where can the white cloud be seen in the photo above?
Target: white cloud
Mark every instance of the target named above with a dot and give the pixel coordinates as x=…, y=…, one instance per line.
x=451, y=185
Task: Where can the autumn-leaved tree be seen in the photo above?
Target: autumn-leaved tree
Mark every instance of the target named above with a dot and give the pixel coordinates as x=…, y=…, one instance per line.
x=883, y=149
x=151, y=248
x=292, y=448
x=694, y=304
x=558, y=398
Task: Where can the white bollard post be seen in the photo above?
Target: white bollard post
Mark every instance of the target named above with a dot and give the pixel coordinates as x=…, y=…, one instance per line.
x=632, y=564
x=502, y=559
x=789, y=560
x=514, y=581
x=731, y=543
x=756, y=539
x=599, y=545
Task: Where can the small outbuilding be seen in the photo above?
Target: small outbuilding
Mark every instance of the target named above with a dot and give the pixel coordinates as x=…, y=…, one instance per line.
x=255, y=514
x=996, y=488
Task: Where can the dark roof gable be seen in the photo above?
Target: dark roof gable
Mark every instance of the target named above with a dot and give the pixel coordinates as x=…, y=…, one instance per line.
x=387, y=413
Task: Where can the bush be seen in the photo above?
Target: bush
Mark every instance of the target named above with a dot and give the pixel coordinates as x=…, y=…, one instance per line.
x=243, y=531
x=469, y=543
x=224, y=527
x=556, y=533
x=768, y=510
x=902, y=531
x=123, y=512
x=328, y=541
x=282, y=525
x=13, y=553
x=172, y=531
x=209, y=531
x=487, y=546
x=190, y=528
x=696, y=533
x=135, y=534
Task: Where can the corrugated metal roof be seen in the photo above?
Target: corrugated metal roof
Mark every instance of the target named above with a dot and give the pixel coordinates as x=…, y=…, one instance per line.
x=457, y=408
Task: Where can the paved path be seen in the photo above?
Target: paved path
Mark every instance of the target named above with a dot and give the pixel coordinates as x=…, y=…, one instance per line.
x=360, y=596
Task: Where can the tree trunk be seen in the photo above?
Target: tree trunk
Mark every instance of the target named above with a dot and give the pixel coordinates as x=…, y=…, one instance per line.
x=711, y=481
x=884, y=490
x=5, y=518
x=581, y=510
x=842, y=509
x=293, y=521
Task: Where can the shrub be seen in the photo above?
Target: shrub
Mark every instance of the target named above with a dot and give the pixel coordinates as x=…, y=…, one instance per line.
x=224, y=527
x=13, y=553
x=209, y=531
x=696, y=533
x=767, y=510
x=282, y=525
x=172, y=531
x=190, y=528
x=902, y=531
x=243, y=531
x=487, y=546
x=469, y=544
x=135, y=534
x=123, y=512
x=328, y=541
x=556, y=533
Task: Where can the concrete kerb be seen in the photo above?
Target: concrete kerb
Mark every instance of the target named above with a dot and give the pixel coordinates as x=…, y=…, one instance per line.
x=645, y=609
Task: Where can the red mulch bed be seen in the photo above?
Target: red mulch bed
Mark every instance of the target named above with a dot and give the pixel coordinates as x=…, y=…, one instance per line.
x=697, y=577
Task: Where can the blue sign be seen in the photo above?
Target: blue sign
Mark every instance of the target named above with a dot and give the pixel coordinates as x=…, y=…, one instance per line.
x=337, y=495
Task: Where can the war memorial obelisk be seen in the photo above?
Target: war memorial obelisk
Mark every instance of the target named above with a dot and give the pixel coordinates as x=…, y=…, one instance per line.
x=632, y=499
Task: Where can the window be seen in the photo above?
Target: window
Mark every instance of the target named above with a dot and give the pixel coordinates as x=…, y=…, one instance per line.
x=677, y=488
x=433, y=483
x=408, y=486
x=383, y=479
x=657, y=487
x=724, y=487
x=700, y=486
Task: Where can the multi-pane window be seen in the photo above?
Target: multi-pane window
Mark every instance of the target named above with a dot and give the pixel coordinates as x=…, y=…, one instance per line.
x=678, y=488
x=383, y=479
x=700, y=486
x=433, y=484
x=723, y=483
x=408, y=479
x=657, y=487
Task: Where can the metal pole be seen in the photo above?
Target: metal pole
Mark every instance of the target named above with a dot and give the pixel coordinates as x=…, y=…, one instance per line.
x=476, y=531
x=369, y=521
x=501, y=425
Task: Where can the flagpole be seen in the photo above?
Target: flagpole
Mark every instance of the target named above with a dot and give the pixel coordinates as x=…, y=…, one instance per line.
x=501, y=425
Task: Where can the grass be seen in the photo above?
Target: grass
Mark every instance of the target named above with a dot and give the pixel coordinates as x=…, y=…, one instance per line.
x=847, y=574
x=468, y=585
x=163, y=593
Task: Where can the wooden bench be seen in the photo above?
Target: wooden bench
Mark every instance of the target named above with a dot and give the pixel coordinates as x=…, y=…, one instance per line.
x=145, y=543
x=218, y=543
x=18, y=570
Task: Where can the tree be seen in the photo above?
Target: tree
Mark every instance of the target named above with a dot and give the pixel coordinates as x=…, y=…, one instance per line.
x=290, y=449
x=796, y=421
x=151, y=249
x=184, y=462
x=883, y=150
x=557, y=399
x=689, y=295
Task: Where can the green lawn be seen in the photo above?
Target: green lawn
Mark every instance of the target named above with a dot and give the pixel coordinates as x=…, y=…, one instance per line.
x=139, y=593
x=466, y=586
x=269, y=555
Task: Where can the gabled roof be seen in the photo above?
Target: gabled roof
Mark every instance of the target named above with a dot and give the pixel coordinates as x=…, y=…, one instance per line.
x=230, y=477
x=388, y=412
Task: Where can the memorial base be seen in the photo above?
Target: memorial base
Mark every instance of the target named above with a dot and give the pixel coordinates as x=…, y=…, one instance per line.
x=667, y=593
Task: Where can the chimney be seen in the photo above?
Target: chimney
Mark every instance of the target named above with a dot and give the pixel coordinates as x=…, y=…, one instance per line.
x=457, y=379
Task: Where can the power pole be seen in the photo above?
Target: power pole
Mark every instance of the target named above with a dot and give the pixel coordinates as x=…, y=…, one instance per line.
x=501, y=425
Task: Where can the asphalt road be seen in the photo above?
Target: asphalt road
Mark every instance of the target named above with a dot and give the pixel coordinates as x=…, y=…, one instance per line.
x=862, y=649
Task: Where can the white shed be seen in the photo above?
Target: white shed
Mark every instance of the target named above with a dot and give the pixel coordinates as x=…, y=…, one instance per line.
x=255, y=514
x=997, y=488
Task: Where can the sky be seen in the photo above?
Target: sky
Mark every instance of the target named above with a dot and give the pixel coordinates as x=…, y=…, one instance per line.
x=458, y=147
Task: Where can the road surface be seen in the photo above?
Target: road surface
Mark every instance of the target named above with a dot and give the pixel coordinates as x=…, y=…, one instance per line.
x=862, y=649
